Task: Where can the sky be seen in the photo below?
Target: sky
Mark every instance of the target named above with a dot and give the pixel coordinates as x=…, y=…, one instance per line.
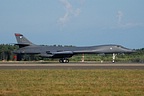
x=74, y=22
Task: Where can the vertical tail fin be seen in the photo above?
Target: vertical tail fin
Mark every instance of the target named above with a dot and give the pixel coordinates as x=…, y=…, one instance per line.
x=22, y=41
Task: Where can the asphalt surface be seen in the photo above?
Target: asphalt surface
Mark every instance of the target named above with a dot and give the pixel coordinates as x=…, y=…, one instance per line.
x=72, y=66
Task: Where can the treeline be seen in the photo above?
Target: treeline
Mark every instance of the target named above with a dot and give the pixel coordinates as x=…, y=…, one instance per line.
x=6, y=54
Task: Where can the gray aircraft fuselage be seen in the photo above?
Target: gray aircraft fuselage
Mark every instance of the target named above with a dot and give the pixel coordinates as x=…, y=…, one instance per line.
x=26, y=47
x=52, y=51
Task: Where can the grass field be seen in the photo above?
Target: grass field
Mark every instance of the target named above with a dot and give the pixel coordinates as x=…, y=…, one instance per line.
x=71, y=82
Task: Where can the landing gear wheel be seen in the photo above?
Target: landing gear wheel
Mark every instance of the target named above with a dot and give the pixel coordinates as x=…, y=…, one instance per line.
x=61, y=60
x=67, y=60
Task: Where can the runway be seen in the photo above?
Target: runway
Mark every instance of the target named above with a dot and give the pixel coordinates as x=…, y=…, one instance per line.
x=74, y=66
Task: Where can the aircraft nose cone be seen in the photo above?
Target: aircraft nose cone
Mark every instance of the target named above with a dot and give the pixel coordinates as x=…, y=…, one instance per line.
x=133, y=50
x=130, y=51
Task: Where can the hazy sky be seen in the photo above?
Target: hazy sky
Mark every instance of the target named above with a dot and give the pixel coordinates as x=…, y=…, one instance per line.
x=74, y=22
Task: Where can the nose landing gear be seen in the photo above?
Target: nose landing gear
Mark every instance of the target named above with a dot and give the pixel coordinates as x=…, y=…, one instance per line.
x=113, y=57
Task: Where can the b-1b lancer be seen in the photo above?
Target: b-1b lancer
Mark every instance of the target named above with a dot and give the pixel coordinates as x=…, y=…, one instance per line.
x=63, y=53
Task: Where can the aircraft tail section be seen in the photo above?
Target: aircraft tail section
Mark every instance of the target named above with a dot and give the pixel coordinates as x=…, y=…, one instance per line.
x=22, y=41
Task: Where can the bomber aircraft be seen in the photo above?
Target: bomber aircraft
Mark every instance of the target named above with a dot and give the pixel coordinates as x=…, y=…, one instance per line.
x=63, y=53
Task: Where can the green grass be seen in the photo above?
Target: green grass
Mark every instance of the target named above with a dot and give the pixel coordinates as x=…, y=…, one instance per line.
x=71, y=82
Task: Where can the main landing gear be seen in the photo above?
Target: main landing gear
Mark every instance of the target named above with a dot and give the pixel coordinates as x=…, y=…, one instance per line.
x=64, y=60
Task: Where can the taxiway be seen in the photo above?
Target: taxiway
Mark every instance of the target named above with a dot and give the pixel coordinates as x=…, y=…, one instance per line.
x=73, y=66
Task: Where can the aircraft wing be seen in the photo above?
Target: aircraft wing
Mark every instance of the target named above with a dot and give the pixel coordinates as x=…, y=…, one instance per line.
x=61, y=54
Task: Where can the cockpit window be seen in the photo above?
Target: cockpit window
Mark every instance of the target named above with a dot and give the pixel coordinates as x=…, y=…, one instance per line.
x=121, y=47
x=118, y=46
